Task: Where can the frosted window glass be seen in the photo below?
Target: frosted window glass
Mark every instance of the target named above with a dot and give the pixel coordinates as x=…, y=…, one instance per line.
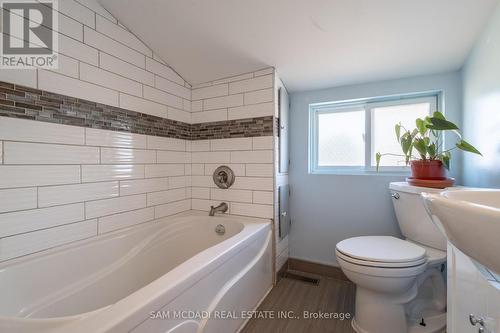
x=341, y=138
x=383, y=134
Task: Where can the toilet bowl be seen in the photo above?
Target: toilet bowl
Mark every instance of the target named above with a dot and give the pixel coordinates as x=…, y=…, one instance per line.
x=400, y=286
x=389, y=274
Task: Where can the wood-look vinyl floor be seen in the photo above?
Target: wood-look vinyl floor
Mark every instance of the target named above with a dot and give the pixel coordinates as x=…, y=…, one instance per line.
x=330, y=296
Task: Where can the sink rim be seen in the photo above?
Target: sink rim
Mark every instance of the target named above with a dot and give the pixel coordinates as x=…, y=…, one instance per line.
x=464, y=222
x=447, y=197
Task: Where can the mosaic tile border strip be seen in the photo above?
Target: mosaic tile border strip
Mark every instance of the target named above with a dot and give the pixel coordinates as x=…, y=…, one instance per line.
x=239, y=128
x=27, y=103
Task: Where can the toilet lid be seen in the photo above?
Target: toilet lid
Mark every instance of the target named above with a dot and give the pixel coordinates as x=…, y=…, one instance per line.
x=384, y=249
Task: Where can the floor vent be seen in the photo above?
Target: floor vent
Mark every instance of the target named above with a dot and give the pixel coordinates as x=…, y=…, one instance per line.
x=300, y=277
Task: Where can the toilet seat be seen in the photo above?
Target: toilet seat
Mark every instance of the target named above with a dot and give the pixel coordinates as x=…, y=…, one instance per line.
x=380, y=264
x=381, y=251
x=376, y=270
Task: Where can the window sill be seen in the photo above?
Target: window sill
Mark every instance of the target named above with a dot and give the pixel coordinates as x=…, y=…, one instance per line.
x=388, y=173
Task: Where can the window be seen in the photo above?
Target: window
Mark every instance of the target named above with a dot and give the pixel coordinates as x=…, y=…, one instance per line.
x=345, y=136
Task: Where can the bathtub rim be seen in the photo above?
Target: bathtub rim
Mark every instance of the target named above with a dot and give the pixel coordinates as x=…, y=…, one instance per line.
x=117, y=233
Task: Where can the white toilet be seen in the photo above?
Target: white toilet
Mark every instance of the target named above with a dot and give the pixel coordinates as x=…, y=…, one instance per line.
x=399, y=283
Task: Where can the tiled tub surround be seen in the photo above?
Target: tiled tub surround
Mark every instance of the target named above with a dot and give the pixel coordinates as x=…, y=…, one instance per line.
x=62, y=183
x=251, y=159
x=126, y=161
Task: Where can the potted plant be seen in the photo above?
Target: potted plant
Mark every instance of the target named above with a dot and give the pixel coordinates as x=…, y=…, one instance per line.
x=433, y=160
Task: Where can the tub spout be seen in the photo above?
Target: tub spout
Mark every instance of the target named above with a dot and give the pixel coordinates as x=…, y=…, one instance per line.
x=222, y=208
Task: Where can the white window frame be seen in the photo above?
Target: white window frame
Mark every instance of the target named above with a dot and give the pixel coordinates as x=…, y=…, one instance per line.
x=433, y=98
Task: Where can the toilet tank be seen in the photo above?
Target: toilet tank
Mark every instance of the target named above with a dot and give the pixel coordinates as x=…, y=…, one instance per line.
x=415, y=223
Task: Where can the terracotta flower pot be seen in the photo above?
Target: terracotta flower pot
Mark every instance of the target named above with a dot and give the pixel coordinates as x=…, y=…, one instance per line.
x=428, y=169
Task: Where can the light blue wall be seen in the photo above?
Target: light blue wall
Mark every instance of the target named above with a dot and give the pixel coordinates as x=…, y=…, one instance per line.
x=481, y=79
x=329, y=208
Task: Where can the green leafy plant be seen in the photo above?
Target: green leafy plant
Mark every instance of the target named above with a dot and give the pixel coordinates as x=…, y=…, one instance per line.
x=426, y=140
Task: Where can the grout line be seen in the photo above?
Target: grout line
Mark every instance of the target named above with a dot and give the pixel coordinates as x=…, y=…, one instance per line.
x=48, y=228
x=83, y=34
x=239, y=93
x=210, y=83
x=98, y=13
x=51, y=247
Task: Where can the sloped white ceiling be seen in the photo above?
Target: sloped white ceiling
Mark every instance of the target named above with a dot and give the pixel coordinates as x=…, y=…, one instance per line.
x=312, y=43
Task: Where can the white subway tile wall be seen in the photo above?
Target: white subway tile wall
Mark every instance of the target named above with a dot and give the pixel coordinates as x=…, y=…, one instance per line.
x=101, y=61
x=250, y=195
x=53, y=193
x=101, y=180
x=244, y=96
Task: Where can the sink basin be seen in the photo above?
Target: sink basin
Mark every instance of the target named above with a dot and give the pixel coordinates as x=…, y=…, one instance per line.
x=471, y=221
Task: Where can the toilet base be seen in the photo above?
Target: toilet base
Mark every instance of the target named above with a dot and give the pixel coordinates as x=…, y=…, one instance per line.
x=386, y=313
x=435, y=324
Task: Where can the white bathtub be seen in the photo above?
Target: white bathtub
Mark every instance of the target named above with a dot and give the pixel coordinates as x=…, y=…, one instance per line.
x=118, y=282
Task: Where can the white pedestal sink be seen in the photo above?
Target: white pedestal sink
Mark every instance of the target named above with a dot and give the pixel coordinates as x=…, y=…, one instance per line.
x=471, y=221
